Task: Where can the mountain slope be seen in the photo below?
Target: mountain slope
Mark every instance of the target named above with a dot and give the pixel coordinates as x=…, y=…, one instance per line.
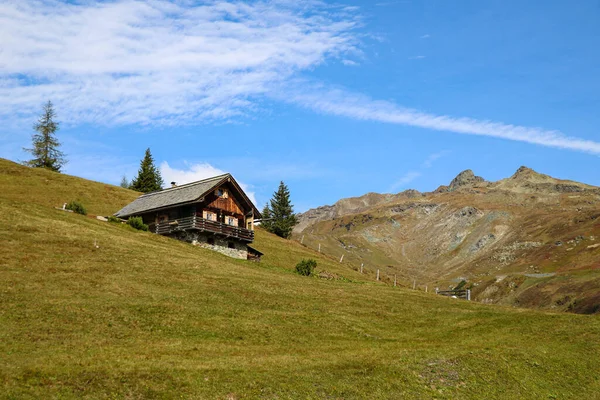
x=144, y=316
x=528, y=240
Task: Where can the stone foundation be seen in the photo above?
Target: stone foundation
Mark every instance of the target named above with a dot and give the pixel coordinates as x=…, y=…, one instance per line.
x=230, y=247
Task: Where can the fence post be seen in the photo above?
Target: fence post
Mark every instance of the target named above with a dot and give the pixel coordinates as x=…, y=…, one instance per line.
x=377, y=274
x=425, y=288
x=469, y=294
x=361, y=267
x=342, y=258
x=395, y=280
x=302, y=240
x=414, y=284
x=319, y=247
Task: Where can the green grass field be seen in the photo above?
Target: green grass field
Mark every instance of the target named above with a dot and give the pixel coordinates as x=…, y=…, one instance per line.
x=144, y=316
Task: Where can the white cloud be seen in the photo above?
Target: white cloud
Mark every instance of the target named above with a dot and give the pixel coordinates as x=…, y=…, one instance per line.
x=428, y=163
x=196, y=172
x=343, y=103
x=349, y=63
x=161, y=62
x=158, y=62
x=404, y=180
x=416, y=58
x=426, y=36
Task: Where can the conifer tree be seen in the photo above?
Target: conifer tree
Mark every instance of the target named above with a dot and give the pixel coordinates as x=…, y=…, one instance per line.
x=281, y=212
x=124, y=182
x=266, y=221
x=45, y=144
x=148, y=178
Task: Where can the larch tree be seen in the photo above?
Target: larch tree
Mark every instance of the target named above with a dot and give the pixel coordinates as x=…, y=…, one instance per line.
x=280, y=213
x=45, y=144
x=148, y=178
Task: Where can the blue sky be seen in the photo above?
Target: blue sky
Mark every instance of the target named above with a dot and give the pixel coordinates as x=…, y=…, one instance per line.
x=336, y=99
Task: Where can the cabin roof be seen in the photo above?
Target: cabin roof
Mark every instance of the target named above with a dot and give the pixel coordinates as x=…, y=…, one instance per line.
x=180, y=195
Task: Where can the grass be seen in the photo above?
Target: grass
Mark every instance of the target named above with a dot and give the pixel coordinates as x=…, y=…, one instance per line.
x=144, y=316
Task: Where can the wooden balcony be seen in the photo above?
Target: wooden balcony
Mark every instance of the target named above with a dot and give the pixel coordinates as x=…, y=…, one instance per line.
x=202, y=225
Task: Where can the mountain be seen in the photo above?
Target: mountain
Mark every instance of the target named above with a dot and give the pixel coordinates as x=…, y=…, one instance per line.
x=528, y=240
x=97, y=310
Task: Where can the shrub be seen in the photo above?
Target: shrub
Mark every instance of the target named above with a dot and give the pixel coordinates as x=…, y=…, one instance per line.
x=113, y=219
x=306, y=267
x=77, y=207
x=137, y=223
x=461, y=285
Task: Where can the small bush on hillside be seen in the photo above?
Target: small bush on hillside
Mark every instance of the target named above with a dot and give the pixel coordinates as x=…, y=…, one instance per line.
x=461, y=285
x=306, y=267
x=137, y=223
x=77, y=207
x=113, y=219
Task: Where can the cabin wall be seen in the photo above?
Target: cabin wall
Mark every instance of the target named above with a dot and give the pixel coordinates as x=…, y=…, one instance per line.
x=227, y=246
x=250, y=223
x=226, y=204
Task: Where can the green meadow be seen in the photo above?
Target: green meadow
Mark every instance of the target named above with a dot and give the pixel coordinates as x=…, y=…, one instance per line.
x=95, y=310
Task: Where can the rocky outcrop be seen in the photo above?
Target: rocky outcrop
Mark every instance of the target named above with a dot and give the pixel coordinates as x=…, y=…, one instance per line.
x=411, y=194
x=313, y=216
x=465, y=178
x=526, y=180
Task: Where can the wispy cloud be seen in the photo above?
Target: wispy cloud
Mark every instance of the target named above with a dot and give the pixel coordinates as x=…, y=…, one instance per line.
x=428, y=163
x=416, y=58
x=404, y=180
x=159, y=62
x=389, y=3
x=411, y=176
x=349, y=63
x=426, y=36
x=343, y=103
x=174, y=63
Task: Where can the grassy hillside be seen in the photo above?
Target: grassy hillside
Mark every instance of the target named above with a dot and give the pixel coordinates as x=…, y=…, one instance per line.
x=25, y=186
x=143, y=316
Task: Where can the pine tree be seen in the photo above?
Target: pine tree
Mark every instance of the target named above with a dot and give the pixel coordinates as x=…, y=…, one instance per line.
x=148, y=178
x=266, y=221
x=124, y=182
x=45, y=145
x=281, y=212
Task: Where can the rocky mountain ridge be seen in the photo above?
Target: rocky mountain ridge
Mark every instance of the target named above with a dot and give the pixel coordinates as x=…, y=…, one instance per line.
x=529, y=239
x=524, y=180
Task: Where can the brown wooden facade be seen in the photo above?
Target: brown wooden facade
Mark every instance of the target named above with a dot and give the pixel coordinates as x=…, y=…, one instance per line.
x=222, y=212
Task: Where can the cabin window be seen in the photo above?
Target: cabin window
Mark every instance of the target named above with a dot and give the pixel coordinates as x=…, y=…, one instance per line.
x=249, y=225
x=231, y=245
x=211, y=216
x=162, y=218
x=232, y=221
x=210, y=241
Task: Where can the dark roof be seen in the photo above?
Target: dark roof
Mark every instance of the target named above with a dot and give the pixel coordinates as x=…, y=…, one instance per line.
x=178, y=195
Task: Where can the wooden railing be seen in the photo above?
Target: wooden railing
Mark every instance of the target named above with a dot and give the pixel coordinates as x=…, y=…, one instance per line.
x=203, y=225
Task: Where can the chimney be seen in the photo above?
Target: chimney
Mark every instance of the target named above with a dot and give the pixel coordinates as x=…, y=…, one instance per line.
x=173, y=184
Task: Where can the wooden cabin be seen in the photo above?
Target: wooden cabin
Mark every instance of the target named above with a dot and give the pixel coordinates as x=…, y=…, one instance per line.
x=214, y=213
